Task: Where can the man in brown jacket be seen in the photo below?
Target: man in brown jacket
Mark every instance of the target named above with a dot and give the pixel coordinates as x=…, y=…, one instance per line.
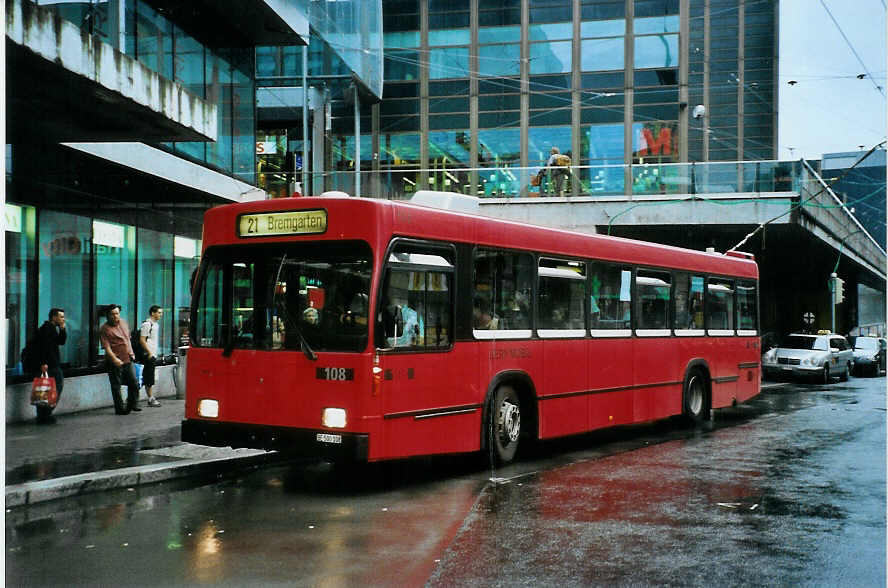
x=115, y=338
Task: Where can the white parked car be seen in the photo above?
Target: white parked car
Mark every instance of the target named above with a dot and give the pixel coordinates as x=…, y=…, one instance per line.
x=819, y=356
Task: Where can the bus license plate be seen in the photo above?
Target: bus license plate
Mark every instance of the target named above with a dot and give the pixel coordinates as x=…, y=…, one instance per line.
x=327, y=438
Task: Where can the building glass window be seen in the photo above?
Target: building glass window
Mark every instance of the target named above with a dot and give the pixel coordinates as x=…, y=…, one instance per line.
x=602, y=54
x=190, y=72
x=656, y=51
x=656, y=140
x=448, y=62
x=540, y=141
x=155, y=271
x=550, y=32
x=398, y=163
x=115, y=271
x=400, y=39
x=448, y=148
x=603, y=28
x=243, y=128
x=602, y=151
x=442, y=38
x=21, y=225
x=656, y=25
x=499, y=146
x=494, y=35
x=219, y=93
x=499, y=60
x=550, y=57
x=154, y=35
x=186, y=259
x=401, y=65
x=63, y=279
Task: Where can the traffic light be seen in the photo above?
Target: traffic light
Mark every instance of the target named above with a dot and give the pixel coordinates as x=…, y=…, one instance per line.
x=839, y=289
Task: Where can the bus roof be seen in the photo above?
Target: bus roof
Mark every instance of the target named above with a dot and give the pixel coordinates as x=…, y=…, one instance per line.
x=376, y=221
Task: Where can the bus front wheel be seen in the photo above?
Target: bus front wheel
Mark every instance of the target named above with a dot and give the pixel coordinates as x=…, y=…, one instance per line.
x=504, y=424
x=695, y=396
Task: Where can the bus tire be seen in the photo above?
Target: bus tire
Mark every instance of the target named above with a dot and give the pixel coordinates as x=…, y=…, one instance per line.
x=695, y=396
x=504, y=424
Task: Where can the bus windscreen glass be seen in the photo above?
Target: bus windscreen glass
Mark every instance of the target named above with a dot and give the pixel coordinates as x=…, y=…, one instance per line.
x=280, y=297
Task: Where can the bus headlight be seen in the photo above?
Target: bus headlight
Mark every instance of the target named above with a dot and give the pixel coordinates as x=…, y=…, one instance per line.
x=334, y=418
x=208, y=408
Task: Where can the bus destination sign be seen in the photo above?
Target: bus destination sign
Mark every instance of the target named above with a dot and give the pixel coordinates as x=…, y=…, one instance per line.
x=294, y=222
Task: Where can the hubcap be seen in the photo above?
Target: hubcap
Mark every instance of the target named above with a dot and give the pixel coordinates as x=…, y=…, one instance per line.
x=695, y=395
x=509, y=422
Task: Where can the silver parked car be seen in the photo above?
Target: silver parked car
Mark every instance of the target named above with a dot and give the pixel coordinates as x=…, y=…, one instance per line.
x=819, y=356
x=869, y=354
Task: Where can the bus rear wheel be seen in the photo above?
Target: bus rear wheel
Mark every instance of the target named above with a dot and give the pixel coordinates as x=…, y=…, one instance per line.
x=504, y=426
x=695, y=396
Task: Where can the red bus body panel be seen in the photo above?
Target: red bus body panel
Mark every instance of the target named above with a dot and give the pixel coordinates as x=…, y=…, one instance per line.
x=580, y=384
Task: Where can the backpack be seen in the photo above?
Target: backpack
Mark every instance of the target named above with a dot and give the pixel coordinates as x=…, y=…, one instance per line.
x=138, y=350
x=562, y=160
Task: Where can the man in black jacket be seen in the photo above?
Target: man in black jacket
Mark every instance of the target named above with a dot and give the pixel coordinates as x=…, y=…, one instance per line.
x=51, y=334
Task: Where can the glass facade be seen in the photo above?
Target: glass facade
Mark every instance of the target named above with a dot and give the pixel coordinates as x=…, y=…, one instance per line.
x=603, y=80
x=222, y=76
x=82, y=264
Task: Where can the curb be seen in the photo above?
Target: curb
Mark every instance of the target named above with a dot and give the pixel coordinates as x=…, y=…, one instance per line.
x=30, y=493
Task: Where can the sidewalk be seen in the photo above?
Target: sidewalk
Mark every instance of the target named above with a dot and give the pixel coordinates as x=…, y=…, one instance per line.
x=97, y=450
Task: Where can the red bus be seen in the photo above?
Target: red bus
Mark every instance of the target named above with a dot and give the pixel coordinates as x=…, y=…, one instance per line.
x=368, y=330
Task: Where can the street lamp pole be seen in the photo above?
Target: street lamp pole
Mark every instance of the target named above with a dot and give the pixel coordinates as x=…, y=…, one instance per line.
x=832, y=301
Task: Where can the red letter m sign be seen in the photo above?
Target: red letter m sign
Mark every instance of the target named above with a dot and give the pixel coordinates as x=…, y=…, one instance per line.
x=662, y=145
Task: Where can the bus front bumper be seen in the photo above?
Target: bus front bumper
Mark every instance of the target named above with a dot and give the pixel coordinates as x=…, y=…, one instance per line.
x=292, y=441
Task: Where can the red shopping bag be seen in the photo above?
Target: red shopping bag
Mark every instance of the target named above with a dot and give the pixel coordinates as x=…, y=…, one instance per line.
x=43, y=391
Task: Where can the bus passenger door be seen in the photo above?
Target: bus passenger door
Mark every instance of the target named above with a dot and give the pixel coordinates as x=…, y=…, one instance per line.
x=424, y=402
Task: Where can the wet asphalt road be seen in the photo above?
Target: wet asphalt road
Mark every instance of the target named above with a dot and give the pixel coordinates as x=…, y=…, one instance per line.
x=787, y=490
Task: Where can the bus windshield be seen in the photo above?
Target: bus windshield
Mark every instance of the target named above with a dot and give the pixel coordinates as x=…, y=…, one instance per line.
x=275, y=297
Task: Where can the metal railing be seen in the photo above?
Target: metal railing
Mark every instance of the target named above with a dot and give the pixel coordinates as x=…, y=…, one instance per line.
x=507, y=181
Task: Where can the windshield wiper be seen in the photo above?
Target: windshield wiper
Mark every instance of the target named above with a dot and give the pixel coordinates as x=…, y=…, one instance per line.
x=303, y=344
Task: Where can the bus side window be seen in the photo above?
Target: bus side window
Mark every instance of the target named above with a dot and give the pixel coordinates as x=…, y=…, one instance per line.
x=610, y=300
x=688, y=301
x=720, y=304
x=652, y=299
x=416, y=300
x=503, y=285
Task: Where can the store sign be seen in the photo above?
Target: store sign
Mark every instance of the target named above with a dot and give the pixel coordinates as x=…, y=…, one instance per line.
x=296, y=222
x=184, y=247
x=13, y=218
x=108, y=234
x=266, y=147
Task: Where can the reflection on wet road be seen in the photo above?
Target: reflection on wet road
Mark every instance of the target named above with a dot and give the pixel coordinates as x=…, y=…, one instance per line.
x=789, y=489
